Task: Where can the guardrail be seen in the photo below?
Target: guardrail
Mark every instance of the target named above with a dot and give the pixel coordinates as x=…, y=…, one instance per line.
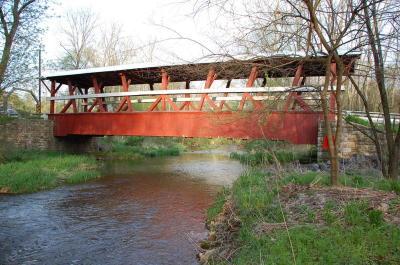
x=376, y=116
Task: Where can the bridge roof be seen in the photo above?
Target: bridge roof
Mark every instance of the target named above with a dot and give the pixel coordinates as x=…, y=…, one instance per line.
x=283, y=65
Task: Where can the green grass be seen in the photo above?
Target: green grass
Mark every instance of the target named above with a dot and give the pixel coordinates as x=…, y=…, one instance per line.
x=207, y=143
x=259, y=156
x=5, y=119
x=355, y=181
x=139, y=147
x=217, y=205
x=359, y=236
x=31, y=171
x=358, y=120
x=379, y=126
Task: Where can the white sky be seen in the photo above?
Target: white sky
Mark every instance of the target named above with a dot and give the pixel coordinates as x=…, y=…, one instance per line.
x=138, y=18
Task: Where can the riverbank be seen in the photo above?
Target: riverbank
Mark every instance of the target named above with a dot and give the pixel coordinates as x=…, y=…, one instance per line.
x=136, y=147
x=292, y=218
x=26, y=171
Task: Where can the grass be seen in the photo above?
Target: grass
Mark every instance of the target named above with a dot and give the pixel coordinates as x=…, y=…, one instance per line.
x=260, y=152
x=217, y=205
x=364, y=122
x=134, y=147
x=359, y=236
x=206, y=143
x=5, y=119
x=355, y=181
x=32, y=171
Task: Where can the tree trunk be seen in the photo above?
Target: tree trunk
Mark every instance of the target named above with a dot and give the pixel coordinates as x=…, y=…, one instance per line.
x=5, y=97
x=334, y=170
x=394, y=157
x=392, y=143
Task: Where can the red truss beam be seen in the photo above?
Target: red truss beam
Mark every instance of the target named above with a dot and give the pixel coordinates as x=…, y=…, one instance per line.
x=71, y=90
x=126, y=101
x=98, y=88
x=253, y=125
x=247, y=96
x=211, y=76
x=163, y=98
x=53, y=92
x=295, y=97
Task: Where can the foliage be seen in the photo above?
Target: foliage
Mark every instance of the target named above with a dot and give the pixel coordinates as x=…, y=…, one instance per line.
x=134, y=147
x=359, y=236
x=260, y=152
x=20, y=30
x=357, y=120
x=31, y=170
x=5, y=119
x=355, y=181
x=207, y=143
x=217, y=205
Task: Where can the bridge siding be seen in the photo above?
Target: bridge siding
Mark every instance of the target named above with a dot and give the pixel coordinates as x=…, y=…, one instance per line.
x=295, y=127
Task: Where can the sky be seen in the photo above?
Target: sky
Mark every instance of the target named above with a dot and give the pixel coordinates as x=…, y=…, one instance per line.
x=139, y=19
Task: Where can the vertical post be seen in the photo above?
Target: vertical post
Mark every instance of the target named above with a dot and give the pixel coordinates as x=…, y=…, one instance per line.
x=71, y=90
x=97, y=90
x=187, y=86
x=125, y=88
x=164, y=86
x=39, y=106
x=223, y=103
x=85, y=100
x=52, y=94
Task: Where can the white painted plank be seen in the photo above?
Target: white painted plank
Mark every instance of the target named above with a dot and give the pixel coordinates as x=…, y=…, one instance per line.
x=192, y=91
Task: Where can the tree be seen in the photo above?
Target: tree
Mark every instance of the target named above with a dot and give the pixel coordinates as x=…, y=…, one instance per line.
x=381, y=30
x=78, y=38
x=87, y=43
x=333, y=27
x=20, y=30
x=314, y=27
x=113, y=47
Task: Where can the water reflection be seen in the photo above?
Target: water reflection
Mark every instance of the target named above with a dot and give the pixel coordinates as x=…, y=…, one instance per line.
x=141, y=212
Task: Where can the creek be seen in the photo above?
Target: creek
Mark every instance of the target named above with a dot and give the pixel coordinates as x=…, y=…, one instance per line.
x=148, y=211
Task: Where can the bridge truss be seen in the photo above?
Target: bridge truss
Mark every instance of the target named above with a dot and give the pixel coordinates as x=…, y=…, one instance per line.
x=101, y=101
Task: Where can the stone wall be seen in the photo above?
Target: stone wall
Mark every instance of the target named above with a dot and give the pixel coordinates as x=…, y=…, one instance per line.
x=38, y=134
x=353, y=142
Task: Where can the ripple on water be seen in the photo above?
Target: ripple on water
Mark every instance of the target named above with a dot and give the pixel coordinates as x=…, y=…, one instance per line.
x=142, y=212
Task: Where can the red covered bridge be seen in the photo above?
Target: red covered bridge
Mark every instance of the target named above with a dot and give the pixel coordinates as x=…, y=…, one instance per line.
x=167, y=100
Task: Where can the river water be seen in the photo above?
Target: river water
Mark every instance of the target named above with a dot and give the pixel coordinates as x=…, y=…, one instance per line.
x=148, y=211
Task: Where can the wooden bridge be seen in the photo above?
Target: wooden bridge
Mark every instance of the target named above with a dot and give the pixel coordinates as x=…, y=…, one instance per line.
x=166, y=100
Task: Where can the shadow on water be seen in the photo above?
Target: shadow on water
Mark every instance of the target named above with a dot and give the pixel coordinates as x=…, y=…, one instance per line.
x=142, y=212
